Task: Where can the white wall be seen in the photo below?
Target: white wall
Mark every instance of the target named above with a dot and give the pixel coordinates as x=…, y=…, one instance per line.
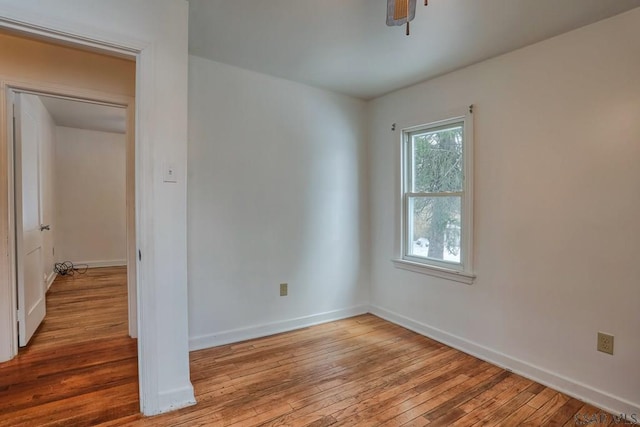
x=557, y=179
x=159, y=29
x=277, y=193
x=90, y=197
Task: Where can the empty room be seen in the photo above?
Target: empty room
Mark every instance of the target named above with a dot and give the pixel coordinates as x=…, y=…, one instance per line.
x=346, y=213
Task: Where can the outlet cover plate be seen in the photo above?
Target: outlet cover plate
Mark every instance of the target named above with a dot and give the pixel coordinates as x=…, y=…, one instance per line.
x=605, y=343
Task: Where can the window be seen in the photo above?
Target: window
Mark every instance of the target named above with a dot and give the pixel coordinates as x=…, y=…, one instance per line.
x=437, y=202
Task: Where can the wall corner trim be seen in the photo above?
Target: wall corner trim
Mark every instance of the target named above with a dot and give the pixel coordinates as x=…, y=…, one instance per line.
x=171, y=400
x=242, y=334
x=568, y=386
x=52, y=276
x=102, y=263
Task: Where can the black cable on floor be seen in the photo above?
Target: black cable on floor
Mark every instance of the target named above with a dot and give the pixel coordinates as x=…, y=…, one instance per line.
x=68, y=268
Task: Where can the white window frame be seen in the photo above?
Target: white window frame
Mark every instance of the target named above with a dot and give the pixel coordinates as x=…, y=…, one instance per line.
x=459, y=272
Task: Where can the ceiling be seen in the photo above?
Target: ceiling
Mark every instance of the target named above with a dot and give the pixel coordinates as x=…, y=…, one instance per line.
x=345, y=46
x=83, y=115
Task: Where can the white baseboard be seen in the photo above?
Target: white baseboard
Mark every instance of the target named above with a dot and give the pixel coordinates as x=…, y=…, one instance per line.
x=251, y=332
x=174, y=399
x=103, y=263
x=52, y=276
x=586, y=393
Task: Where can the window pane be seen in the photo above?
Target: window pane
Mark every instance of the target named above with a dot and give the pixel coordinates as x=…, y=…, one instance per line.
x=434, y=228
x=437, y=160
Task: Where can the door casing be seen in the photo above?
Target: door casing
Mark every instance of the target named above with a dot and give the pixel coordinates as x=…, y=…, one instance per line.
x=142, y=161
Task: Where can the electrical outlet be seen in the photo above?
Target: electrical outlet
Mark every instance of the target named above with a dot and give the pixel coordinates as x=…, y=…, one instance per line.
x=284, y=289
x=605, y=343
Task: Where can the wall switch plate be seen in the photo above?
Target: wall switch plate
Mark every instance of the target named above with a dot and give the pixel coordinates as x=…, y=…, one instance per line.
x=284, y=289
x=169, y=172
x=605, y=343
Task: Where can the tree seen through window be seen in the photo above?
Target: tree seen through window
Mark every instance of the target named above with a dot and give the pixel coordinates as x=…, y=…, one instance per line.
x=436, y=185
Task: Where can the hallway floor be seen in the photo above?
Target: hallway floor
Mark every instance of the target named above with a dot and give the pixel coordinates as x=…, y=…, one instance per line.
x=80, y=367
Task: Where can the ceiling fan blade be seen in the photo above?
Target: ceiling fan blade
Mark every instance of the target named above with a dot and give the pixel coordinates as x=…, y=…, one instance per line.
x=397, y=13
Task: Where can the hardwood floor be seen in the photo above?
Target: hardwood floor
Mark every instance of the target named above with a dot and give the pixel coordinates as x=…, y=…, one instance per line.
x=80, y=367
x=361, y=371
x=84, y=307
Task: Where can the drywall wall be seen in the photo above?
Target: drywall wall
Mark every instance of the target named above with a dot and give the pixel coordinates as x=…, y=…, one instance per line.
x=557, y=179
x=90, y=197
x=158, y=30
x=276, y=194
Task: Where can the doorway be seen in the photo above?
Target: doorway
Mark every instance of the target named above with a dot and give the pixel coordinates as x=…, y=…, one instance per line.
x=158, y=55
x=70, y=210
x=41, y=67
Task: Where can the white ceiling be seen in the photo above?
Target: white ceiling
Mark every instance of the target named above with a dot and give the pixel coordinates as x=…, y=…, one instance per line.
x=83, y=115
x=345, y=46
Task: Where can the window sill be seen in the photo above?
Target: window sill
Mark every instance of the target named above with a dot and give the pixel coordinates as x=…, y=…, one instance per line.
x=443, y=273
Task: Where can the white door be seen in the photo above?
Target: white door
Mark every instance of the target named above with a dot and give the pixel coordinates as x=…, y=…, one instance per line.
x=30, y=280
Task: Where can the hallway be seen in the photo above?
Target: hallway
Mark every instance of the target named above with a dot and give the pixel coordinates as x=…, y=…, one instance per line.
x=80, y=368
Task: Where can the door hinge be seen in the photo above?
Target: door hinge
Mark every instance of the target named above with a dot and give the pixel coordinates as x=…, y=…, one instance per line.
x=139, y=255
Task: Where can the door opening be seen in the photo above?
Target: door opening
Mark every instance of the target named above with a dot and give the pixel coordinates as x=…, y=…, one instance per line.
x=58, y=75
x=32, y=240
